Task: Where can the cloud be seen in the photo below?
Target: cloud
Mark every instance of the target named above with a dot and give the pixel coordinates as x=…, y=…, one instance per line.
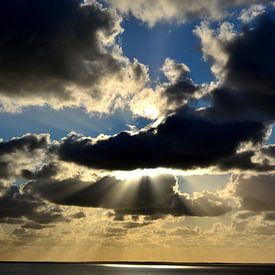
x=212, y=45
x=187, y=139
x=180, y=11
x=251, y=12
x=269, y=150
x=244, y=65
x=166, y=97
x=256, y=192
x=250, y=69
x=269, y=216
x=181, y=87
x=45, y=172
x=244, y=161
x=186, y=231
x=156, y=196
x=133, y=225
x=21, y=153
x=16, y=206
x=63, y=53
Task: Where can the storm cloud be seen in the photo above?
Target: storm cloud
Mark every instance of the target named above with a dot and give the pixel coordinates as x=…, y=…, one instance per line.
x=63, y=53
x=248, y=89
x=187, y=139
x=50, y=40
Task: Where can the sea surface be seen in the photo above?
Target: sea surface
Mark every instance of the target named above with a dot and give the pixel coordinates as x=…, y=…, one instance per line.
x=131, y=268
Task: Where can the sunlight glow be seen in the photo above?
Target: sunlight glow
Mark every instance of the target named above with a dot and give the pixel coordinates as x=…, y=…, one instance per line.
x=128, y=175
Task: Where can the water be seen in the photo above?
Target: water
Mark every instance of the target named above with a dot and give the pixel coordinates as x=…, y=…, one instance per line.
x=131, y=269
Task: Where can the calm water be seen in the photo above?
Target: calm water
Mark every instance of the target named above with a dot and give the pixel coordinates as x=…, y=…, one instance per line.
x=131, y=269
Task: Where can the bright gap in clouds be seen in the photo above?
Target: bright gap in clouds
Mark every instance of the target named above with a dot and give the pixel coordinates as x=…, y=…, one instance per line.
x=138, y=173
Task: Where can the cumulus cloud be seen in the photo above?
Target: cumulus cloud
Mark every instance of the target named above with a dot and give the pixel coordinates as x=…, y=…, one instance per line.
x=180, y=87
x=180, y=11
x=64, y=54
x=251, y=12
x=250, y=70
x=212, y=45
x=155, y=196
x=166, y=97
x=244, y=64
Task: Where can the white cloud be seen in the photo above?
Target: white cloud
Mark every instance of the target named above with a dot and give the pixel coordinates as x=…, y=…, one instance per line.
x=250, y=13
x=180, y=11
x=212, y=42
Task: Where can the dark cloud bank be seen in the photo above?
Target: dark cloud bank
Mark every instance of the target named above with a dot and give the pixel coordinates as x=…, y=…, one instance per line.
x=187, y=139
x=46, y=45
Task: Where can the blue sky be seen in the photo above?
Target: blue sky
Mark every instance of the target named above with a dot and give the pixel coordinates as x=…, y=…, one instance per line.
x=151, y=45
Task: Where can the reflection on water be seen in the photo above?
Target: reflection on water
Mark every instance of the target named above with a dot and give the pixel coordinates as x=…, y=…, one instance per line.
x=132, y=269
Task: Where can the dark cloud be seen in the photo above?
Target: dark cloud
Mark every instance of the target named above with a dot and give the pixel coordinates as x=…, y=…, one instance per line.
x=28, y=143
x=269, y=150
x=15, y=204
x=180, y=91
x=45, y=172
x=180, y=87
x=146, y=196
x=243, y=161
x=186, y=139
x=33, y=225
x=249, y=89
x=257, y=192
x=46, y=45
x=26, y=146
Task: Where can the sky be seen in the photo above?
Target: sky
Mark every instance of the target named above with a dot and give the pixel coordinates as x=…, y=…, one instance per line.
x=137, y=130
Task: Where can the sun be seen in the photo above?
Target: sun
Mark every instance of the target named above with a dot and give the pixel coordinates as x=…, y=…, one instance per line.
x=138, y=173
x=154, y=172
